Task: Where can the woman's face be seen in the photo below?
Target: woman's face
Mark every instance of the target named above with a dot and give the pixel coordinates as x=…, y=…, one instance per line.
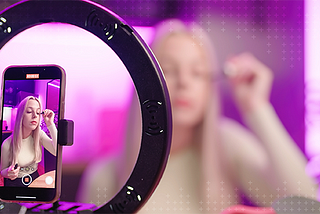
x=31, y=116
x=186, y=69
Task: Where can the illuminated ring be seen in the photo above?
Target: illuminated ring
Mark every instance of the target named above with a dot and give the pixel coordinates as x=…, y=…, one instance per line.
x=30, y=179
x=145, y=73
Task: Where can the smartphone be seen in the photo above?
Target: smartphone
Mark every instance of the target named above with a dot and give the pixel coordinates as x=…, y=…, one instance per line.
x=32, y=103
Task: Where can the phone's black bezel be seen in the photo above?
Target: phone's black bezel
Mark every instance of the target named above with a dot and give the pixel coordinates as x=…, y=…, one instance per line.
x=45, y=72
x=145, y=73
x=19, y=73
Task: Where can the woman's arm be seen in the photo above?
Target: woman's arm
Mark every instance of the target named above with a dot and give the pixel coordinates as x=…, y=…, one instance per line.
x=285, y=172
x=287, y=163
x=49, y=144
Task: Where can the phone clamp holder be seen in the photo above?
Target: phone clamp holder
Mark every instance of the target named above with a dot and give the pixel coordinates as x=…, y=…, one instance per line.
x=66, y=132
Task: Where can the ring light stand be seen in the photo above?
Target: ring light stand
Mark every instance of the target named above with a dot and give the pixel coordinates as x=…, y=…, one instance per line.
x=145, y=73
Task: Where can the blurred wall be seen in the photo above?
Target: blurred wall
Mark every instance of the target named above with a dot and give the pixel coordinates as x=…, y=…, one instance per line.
x=273, y=30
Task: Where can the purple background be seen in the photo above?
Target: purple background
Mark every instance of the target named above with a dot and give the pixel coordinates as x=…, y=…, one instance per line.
x=272, y=30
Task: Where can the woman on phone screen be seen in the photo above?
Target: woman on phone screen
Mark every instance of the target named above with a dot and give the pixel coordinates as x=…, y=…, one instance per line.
x=22, y=151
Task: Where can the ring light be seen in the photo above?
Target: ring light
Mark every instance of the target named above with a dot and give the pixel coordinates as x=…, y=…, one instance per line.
x=145, y=73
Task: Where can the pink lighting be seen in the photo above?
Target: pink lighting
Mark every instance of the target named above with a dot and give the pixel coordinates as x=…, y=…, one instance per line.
x=147, y=33
x=312, y=86
x=98, y=86
x=312, y=77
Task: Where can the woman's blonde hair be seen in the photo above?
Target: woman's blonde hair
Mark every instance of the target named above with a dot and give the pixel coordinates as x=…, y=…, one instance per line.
x=171, y=27
x=207, y=133
x=200, y=37
x=17, y=133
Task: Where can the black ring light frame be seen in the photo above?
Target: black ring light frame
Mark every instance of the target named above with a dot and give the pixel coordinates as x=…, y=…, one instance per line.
x=145, y=73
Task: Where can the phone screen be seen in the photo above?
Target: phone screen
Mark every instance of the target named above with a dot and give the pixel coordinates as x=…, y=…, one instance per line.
x=29, y=150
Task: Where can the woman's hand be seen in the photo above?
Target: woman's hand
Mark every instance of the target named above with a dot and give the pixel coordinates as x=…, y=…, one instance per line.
x=251, y=81
x=12, y=173
x=48, y=117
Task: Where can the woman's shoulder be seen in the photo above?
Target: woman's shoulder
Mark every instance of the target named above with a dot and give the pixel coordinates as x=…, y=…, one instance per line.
x=6, y=143
x=41, y=133
x=235, y=134
x=240, y=143
x=231, y=129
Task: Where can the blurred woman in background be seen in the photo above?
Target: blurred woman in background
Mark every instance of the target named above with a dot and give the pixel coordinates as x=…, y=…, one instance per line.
x=214, y=159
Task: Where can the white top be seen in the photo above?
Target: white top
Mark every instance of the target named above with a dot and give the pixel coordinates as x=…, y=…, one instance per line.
x=263, y=163
x=27, y=154
x=178, y=190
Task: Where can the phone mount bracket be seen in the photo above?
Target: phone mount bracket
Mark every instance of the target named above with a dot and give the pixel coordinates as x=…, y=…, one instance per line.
x=66, y=132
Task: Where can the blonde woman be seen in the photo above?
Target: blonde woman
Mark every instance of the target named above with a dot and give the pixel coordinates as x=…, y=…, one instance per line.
x=22, y=151
x=213, y=159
